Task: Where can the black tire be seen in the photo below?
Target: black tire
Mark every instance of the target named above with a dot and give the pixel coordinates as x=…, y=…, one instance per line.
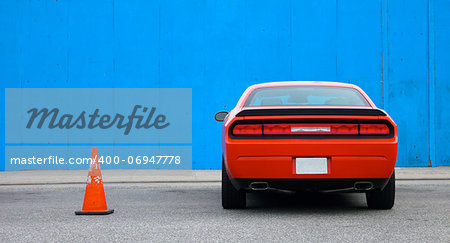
x=382, y=199
x=231, y=197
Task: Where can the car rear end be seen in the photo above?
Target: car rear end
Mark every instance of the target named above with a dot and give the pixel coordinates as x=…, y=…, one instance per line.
x=317, y=136
x=326, y=149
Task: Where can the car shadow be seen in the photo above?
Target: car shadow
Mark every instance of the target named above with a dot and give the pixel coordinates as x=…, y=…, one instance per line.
x=306, y=201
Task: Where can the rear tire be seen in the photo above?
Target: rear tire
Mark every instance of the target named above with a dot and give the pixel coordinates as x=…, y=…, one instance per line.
x=231, y=197
x=382, y=199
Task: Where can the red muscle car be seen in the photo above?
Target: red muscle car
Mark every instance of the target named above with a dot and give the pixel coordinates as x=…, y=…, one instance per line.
x=305, y=135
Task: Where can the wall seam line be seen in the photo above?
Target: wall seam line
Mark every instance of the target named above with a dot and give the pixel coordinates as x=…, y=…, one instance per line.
x=431, y=86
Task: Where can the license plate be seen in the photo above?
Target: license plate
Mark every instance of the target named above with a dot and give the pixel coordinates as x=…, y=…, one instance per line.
x=311, y=166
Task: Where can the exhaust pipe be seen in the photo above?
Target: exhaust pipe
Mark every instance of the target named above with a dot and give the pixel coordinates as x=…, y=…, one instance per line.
x=259, y=186
x=363, y=186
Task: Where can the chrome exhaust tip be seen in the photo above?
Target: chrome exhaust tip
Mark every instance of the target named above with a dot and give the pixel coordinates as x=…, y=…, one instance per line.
x=363, y=185
x=259, y=186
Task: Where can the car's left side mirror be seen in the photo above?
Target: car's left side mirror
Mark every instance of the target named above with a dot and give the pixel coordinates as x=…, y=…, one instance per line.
x=220, y=116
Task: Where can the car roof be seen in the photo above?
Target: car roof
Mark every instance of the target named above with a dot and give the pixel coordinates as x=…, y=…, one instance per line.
x=303, y=83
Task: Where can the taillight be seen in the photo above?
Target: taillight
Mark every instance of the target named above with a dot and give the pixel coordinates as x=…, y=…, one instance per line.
x=304, y=129
x=247, y=129
x=344, y=129
x=274, y=129
x=373, y=129
x=311, y=129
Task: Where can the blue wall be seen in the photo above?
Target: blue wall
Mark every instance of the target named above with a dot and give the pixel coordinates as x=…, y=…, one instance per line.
x=397, y=51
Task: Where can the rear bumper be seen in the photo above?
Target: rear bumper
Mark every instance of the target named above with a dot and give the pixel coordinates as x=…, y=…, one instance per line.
x=310, y=184
x=275, y=159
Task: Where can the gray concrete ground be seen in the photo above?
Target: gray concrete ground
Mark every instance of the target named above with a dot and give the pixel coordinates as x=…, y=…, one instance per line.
x=191, y=212
x=31, y=177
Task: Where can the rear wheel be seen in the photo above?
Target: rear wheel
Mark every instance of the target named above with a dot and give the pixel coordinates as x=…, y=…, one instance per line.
x=231, y=197
x=382, y=199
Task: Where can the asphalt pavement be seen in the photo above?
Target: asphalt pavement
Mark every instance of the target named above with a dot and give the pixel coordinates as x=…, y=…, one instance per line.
x=33, y=177
x=191, y=212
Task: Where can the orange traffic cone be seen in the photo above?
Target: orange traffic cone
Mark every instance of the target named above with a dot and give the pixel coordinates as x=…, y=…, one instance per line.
x=94, y=198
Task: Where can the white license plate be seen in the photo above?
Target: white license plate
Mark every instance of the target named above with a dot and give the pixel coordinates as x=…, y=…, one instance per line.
x=311, y=166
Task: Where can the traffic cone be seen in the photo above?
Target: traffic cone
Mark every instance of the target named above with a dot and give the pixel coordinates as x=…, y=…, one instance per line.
x=94, y=197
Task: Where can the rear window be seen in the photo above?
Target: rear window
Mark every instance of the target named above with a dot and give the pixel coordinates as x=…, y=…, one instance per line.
x=306, y=95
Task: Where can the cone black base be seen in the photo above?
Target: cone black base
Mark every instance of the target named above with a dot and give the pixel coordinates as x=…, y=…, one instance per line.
x=94, y=212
